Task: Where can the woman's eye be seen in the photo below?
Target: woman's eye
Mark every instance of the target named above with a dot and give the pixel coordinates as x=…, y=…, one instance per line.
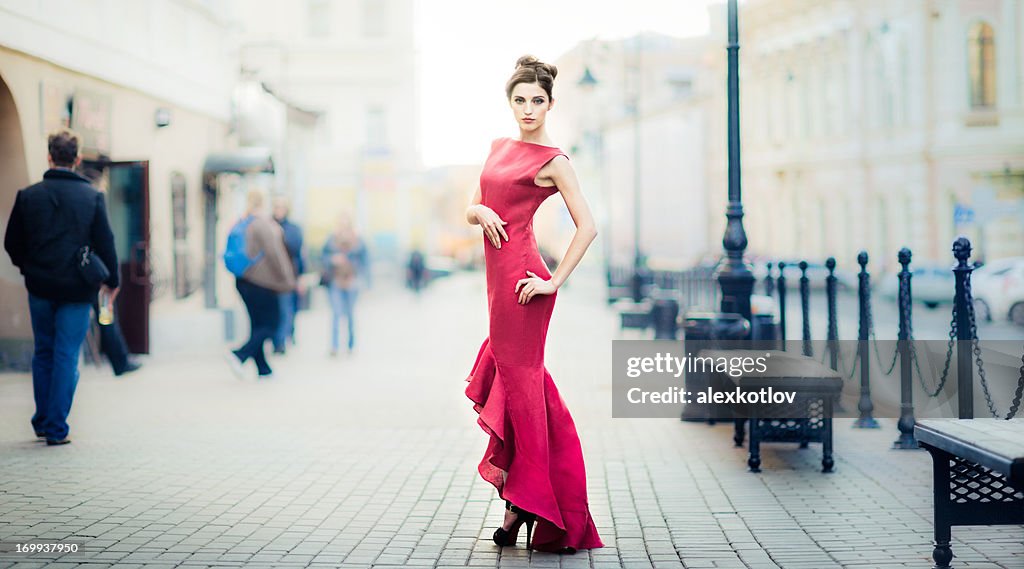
x=538, y=101
x=519, y=100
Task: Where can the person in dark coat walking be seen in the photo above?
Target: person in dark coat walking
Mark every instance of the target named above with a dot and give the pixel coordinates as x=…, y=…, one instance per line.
x=50, y=222
x=289, y=301
x=112, y=341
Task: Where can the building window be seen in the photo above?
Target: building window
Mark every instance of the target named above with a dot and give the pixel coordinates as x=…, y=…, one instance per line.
x=981, y=66
x=681, y=83
x=375, y=18
x=776, y=109
x=830, y=101
x=318, y=18
x=183, y=285
x=376, y=129
x=904, y=95
x=881, y=76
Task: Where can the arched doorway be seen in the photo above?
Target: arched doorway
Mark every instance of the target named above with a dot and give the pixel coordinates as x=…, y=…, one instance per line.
x=15, y=326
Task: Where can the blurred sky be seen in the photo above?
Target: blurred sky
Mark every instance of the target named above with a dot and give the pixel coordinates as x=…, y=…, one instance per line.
x=468, y=49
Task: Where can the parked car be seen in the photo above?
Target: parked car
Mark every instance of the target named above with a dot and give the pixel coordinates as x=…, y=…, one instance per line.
x=931, y=285
x=998, y=290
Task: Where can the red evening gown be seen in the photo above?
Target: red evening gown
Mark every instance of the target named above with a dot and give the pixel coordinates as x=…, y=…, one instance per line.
x=534, y=458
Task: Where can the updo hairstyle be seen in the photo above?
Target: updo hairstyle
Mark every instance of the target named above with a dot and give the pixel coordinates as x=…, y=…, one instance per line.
x=529, y=69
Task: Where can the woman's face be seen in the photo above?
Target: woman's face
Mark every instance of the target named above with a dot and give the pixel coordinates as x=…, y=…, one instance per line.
x=530, y=105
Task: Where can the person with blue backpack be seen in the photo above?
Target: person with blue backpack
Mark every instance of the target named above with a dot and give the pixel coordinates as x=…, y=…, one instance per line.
x=256, y=255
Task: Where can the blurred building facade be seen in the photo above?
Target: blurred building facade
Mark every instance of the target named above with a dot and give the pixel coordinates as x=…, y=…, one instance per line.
x=876, y=124
x=148, y=86
x=441, y=202
x=352, y=61
x=653, y=89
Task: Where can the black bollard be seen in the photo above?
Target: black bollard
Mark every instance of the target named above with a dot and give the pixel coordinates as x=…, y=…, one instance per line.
x=636, y=285
x=805, y=308
x=864, y=405
x=907, y=421
x=964, y=356
x=769, y=283
x=663, y=315
x=833, y=324
x=782, y=303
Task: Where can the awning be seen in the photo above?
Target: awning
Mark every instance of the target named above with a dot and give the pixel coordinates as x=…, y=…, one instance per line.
x=240, y=161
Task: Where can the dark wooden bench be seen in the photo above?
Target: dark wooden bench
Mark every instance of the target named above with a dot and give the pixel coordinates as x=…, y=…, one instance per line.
x=808, y=419
x=978, y=475
x=635, y=315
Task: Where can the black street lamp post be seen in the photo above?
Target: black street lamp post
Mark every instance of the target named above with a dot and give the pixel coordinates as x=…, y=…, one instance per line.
x=735, y=276
x=639, y=264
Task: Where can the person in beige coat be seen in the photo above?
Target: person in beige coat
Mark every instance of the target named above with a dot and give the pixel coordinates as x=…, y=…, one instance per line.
x=272, y=273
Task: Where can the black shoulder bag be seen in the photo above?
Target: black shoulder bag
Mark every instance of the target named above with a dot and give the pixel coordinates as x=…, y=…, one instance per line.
x=90, y=267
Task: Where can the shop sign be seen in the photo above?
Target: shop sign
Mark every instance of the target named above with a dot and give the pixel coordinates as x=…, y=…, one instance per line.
x=90, y=118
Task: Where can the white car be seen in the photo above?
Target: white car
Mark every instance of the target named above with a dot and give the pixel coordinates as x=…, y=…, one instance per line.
x=998, y=290
x=930, y=284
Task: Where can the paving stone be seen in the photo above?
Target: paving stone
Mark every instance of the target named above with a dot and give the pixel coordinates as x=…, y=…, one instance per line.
x=370, y=460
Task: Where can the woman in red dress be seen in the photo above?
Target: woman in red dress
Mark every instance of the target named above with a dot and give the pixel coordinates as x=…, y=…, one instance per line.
x=534, y=458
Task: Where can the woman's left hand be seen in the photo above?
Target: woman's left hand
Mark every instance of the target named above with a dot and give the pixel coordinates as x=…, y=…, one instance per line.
x=530, y=287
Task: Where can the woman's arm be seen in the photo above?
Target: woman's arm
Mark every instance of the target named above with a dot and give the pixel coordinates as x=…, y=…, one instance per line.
x=492, y=224
x=471, y=210
x=564, y=177
x=561, y=173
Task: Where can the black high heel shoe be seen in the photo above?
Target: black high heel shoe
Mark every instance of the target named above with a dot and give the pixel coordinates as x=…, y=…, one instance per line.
x=504, y=538
x=525, y=517
x=507, y=537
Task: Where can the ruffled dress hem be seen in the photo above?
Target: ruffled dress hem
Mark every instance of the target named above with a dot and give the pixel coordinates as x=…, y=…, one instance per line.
x=525, y=460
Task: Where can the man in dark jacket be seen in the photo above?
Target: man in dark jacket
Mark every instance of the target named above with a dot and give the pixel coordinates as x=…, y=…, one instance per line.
x=49, y=223
x=288, y=301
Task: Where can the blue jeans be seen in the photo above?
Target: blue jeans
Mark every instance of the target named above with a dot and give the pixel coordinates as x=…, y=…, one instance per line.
x=59, y=329
x=289, y=304
x=343, y=302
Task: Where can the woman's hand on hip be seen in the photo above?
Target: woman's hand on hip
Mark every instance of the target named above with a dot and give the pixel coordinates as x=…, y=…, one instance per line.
x=532, y=286
x=492, y=224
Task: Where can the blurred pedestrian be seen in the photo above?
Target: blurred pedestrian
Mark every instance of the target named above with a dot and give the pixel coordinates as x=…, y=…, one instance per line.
x=416, y=271
x=256, y=255
x=112, y=342
x=59, y=236
x=289, y=301
x=113, y=345
x=345, y=262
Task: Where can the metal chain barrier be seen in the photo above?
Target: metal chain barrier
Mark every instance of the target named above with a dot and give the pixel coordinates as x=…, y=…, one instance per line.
x=941, y=383
x=849, y=372
x=874, y=339
x=913, y=350
x=969, y=303
x=1020, y=389
x=949, y=355
x=853, y=370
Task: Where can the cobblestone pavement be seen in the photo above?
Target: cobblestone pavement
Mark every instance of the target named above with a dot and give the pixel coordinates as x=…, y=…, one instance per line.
x=370, y=460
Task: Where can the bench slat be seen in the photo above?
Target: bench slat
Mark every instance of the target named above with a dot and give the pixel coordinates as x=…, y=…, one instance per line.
x=996, y=444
